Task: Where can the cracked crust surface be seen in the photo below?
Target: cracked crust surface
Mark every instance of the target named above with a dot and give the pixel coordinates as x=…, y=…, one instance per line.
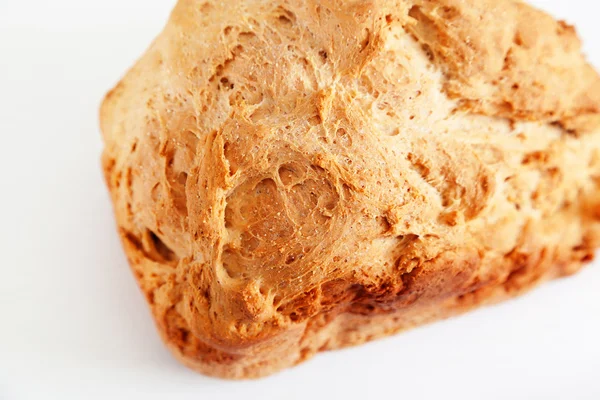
x=296, y=176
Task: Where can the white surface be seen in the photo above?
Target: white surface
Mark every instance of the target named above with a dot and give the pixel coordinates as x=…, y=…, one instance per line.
x=73, y=325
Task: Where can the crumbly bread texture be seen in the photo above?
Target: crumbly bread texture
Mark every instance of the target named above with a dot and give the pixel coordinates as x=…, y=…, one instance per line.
x=293, y=176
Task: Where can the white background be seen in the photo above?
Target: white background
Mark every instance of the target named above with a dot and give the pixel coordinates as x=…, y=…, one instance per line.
x=73, y=324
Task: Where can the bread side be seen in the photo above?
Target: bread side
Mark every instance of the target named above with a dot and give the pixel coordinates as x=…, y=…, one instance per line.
x=291, y=177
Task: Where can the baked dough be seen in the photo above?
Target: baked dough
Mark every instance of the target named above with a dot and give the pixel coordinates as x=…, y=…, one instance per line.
x=293, y=176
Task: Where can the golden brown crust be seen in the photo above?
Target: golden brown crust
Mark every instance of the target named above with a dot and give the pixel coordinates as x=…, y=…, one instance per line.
x=524, y=65
x=296, y=176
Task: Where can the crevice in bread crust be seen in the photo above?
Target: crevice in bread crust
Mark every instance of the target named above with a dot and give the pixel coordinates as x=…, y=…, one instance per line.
x=512, y=90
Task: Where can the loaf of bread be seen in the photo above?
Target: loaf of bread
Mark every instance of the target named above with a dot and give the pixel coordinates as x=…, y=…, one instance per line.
x=293, y=176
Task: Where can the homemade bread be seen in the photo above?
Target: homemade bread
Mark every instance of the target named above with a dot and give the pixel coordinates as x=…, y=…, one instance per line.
x=293, y=176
